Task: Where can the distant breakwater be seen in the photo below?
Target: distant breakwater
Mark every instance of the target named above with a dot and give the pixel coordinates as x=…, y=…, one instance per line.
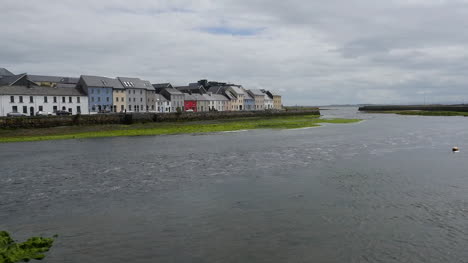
x=457, y=108
x=130, y=118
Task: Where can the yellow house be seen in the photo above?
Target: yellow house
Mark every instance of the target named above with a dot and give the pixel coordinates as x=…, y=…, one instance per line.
x=119, y=99
x=277, y=104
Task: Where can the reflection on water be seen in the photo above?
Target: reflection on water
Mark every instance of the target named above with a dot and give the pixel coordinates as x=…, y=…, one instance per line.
x=388, y=189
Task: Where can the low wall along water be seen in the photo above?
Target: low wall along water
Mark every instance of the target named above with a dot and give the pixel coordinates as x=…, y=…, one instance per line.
x=116, y=118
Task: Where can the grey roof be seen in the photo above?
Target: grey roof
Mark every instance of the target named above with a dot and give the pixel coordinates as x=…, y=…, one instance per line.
x=134, y=83
x=8, y=80
x=41, y=91
x=5, y=72
x=192, y=88
x=101, y=82
x=162, y=85
x=274, y=93
x=53, y=79
x=161, y=98
x=215, y=97
x=217, y=89
x=189, y=96
x=247, y=96
x=256, y=92
x=237, y=90
x=173, y=91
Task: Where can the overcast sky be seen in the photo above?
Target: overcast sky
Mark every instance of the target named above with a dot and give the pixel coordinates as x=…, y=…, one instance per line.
x=313, y=52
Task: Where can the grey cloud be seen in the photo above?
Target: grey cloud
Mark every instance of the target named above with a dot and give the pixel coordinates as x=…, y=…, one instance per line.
x=314, y=52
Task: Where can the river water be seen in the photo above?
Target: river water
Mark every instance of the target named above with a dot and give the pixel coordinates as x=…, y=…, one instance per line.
x=387, y=189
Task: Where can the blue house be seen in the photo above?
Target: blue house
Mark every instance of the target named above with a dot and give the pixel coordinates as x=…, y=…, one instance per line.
x=249, y=102
x=99, y=90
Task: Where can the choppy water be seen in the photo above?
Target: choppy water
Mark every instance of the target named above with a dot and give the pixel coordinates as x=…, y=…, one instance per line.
x=388, y=189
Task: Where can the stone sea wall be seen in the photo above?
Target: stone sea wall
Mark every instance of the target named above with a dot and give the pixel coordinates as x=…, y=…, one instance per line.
x=118, y=118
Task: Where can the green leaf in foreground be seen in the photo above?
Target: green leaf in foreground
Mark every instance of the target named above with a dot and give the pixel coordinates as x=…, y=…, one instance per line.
x=33, y=248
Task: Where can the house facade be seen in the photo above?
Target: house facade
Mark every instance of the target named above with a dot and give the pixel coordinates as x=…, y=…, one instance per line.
x=190, y=102
x=136, y=94
x=176, y=98
x=249, y=102
x=277, y=104
x=100, y=92
x=119, y=96
x=216, y=102
x=259, y=98
x=268, y=102
x=31, y=99
x=162, y=105
x=237, y=103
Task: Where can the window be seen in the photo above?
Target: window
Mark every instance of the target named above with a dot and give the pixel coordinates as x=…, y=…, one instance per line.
x=31, y=100
x=134, y=99
x=70, y=99
x=25, y=109
x=78, y=100
x=21, y=99
x=98, y=91
x=78, y=109
x=107, y=99
x=45, y=99
x=117, y=99
x=141, y=99
x=133, y=91
x=129, y=99
x=63, y=99
x=55, y=108
x=15, y=108
x=92, y=91
x=107, y=91
x=129, y=107
x=12, y=98
x=55, y=99
x=92, y=99
x=93, y=108
x=99, y=99
x=141, y=92
x=41, y=108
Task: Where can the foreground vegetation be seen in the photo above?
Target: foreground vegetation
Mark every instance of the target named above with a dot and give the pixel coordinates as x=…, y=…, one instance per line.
x=423, y=112
x=33, y=248
x=80, y=132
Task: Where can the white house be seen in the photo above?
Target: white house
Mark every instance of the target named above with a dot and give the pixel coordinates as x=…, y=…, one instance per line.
x=29, y=100
x=217, y=102
x=268, y=102
x=162, y=104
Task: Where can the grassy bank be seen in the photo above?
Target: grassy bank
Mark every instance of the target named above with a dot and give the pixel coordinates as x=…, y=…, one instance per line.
x=423, y=113
x=80, y=132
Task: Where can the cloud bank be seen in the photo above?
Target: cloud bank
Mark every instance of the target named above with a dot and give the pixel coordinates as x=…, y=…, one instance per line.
x=313, y=52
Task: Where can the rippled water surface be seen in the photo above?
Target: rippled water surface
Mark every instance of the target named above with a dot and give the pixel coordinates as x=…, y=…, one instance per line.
x=387, y=189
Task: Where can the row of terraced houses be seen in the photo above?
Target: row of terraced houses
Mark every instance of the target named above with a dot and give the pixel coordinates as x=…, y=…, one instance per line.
x=28, y=94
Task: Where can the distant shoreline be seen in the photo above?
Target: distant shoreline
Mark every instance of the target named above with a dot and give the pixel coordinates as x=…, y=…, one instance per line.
x=421, y=110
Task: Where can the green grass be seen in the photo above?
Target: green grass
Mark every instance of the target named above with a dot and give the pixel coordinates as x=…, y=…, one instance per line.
x=81, y=132
x=423, y=113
